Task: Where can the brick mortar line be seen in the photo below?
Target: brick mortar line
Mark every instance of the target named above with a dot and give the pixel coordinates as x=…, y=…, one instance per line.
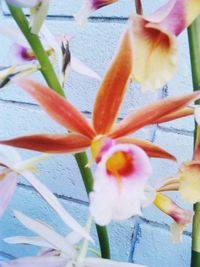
x=63, y=197
x=92, y=19
x=134, y=240
x=176, y=131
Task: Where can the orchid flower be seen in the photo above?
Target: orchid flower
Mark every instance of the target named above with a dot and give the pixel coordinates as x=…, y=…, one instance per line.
x=153, y=38
x=12, y=166
x=88, y=7
x=21, y=52
x=120, y=177
x=84, y=135
x=60, y=251
x=181, y=217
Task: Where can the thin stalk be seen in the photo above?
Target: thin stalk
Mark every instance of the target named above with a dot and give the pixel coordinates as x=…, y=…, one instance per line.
x=138, y=7
x=53, y=82
x=194, y=44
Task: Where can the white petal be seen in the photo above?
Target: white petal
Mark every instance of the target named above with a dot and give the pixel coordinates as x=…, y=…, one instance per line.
x=36, y=261
x=55, y=239
x=54, y=203
x=81, y=68
x=12, y=32
x=29, y=240
x=7, y=189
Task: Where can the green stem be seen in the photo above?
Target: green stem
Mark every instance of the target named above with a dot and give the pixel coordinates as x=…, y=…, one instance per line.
x=53, y=82
x=194, y=43
x=86, y=173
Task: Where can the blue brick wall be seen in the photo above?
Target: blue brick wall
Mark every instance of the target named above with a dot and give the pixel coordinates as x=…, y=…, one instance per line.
x=143, y=239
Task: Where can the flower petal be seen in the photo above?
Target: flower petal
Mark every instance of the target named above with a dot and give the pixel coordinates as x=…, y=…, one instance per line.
x=36, y=261
x=57, y=107
x=81, y=68
x=113, y=88
x=50, y=143
x=54, y=203
x=154, y=53
x=52, y=237
x=151, y=149
x=88, y=7
x=189, y=187
x=176, y=115
x=120, y=178
x=7, y=189
x=29, y=240
x=151, y=114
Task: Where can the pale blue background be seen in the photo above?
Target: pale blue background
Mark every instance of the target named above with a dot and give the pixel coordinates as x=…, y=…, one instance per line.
x=145, y=239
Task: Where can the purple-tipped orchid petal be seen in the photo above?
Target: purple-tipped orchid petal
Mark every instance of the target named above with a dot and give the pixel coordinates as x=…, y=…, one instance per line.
x=119, y=183
x=90, y=6
x=24, y=3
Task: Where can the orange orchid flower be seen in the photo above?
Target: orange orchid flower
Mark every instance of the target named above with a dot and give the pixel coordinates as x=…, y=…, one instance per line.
x=105, y=111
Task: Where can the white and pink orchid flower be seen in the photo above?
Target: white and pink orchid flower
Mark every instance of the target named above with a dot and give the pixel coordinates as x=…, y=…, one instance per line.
x=119, y=183
x=88, y=7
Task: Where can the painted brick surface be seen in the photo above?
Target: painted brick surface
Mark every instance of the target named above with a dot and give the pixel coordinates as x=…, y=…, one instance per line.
x=144, y=239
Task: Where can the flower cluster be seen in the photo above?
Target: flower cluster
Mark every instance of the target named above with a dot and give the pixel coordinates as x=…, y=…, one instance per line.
x=146, y=54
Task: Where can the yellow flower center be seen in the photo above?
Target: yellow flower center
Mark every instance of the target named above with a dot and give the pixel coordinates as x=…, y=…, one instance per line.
x=120, y=164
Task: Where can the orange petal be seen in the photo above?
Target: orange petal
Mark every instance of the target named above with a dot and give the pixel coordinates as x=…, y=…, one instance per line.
x=50, y=143
x=113, y=88
x=57, y=107
x=176, y=115
x=151, y=149
x=151, y=114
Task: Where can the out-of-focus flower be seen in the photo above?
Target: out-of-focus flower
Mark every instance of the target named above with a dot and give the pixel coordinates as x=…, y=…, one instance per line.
x=11, y=166
x=88, y=7
x=60, y=251
x=21, y=52
x=181, y=217
x=120, y=178
x=153, y=47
